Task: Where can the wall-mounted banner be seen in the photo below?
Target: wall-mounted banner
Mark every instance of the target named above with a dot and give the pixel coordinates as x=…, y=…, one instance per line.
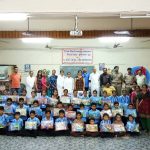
x=77, y=56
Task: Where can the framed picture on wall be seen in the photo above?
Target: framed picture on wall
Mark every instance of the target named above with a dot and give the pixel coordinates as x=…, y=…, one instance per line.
x=27, y=67
x=101, y=66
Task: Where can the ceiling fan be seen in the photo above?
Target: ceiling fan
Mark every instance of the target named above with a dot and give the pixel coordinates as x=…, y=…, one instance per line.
x=116, y=45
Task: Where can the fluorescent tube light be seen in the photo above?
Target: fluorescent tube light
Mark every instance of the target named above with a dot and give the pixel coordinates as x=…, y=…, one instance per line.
x=36, y=40
x=13, y=16
x=114, y=39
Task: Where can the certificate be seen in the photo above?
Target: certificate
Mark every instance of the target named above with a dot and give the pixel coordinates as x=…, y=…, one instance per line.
x=47, y=124
x=71, y=114
x=119, y=128
x=59, y=126
x=91, y=128
x=14, y=98
x=117, y=111
x=23, y=112
x=77, y=127
x=106, y=128
x=30, y=125
x=14, y=127
x=56, y=112
x=65, y=100
x=76, y=101
x=86, y=102
x=53, y=101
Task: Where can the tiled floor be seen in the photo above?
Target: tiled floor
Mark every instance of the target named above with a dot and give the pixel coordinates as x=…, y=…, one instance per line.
x=74, y=143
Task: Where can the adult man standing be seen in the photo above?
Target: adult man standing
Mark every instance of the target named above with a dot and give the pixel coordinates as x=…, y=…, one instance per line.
x=104, y=78
x=30, y=81
x=69, y=83
x=86, y=76
x=117, y=79
x=94, y=81
x=52, y=81
x=15, y=81
x=129, y=78
x=140, y=78
x=60, y=83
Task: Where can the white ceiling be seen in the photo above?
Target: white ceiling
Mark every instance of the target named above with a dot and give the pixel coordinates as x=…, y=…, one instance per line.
x=17, y=44
x=65, y=22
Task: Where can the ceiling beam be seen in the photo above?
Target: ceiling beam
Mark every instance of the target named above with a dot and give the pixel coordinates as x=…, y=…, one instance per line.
x=66, y=35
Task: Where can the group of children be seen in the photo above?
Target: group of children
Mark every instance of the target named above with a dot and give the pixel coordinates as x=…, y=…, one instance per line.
x=76, y=115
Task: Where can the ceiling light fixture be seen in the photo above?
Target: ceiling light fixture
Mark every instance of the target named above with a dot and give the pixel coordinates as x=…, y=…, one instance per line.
x=36, y=40
x=13, y=16
x=114, y=39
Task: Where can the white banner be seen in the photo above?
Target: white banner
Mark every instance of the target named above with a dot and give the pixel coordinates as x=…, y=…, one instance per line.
x=77, y=56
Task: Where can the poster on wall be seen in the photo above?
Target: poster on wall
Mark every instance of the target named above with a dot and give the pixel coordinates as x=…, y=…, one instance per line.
x=101, y=66
x=77, y=56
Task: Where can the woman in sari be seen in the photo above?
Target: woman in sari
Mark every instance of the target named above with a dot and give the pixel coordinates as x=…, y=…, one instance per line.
x=144, y=108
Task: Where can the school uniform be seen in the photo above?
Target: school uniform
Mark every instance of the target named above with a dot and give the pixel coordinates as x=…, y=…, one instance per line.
x=24, y=118
x=124, y=101
x=86, y=99
x=4, y=120
x=62, y=132
x=96, y=100
x=94, y=114
x=37, y=110
x=84, y=113
x=10, y=110
x=132, y=128
x=47, y=132
x=104, y=131
x=113, y=99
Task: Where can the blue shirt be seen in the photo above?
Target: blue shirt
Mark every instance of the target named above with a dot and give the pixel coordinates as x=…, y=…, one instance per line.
x=94, y=114
x=113, y=99
x=35, y=119
x=131, y=126
x=103, y=124
x=86, y=99
x=37, y=110
x=84, y=113
x=86, y=79
x=130, y=112
x=124, y=101
x=19, y=121
x=96, y=100
x=51, y=119
x=10, y=110
x=52, y=80
x=64, y=119
x=4, y=120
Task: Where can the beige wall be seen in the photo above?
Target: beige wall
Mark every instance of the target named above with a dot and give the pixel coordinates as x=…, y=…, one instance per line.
x=52, y=59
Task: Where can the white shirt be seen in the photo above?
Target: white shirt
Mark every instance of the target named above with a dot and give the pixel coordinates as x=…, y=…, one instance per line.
x=60, y=81
x=140, y=80
x=107, y=112
x=69, y=84
x=30, y=82
x=94, y=78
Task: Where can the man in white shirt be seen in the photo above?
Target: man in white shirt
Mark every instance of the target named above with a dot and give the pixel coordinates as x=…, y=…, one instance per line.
x=30, y=80
x=140, y=78
x=60, y=83
x=94, y=81
x=69, y=83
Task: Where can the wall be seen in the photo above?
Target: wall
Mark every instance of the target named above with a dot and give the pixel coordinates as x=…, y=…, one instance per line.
x=51, y=59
